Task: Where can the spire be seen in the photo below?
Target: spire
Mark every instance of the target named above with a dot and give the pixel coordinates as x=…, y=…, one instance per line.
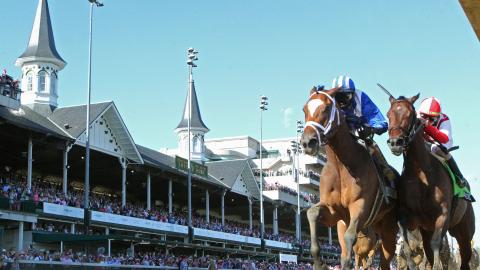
x=196, y=122
x=41, y=46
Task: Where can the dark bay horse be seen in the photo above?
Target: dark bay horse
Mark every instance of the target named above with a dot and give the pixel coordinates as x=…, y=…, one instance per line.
x=425, y=189
x=349, y=186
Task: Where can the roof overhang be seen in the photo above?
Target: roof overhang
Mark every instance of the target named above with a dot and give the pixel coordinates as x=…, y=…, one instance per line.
x=472, y=10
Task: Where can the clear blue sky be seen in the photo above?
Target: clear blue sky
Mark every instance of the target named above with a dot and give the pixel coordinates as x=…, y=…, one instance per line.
x=248, y=48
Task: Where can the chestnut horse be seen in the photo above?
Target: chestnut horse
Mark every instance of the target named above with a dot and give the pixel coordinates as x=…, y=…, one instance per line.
x=425, y=189
x=365, y=247
x=349, y=186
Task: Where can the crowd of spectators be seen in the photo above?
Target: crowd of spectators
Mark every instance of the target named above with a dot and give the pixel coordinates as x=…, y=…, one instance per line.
x=8, y=86
x=41, y=191
x=149, y=259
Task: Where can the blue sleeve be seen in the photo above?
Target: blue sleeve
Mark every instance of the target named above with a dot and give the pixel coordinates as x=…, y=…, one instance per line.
x=372, y=114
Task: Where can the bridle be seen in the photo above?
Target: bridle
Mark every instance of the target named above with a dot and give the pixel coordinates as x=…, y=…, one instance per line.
x=321, y=130
x=408, y=134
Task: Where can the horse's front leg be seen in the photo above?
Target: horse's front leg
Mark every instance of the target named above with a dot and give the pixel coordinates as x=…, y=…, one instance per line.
x=341, y=229
x=313, y=219
x=436, y=240
x=405, y=245
x=387, y=229
x=351, y=234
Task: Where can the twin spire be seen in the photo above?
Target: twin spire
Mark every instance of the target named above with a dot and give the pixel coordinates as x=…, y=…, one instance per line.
x=41, y=47
x=196, y=121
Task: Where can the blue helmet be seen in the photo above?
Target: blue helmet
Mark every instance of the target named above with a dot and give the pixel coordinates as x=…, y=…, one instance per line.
x=347, y=85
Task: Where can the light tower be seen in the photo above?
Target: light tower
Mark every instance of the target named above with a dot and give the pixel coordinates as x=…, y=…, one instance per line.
x=296, y=167
x=87, y=122
x=263, y=107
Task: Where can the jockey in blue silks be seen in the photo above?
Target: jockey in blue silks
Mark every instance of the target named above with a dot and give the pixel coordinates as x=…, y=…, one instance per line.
x=359, y=109
x=364, y=118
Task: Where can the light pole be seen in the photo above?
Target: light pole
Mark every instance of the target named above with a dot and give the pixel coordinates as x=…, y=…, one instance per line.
x=263, y=107
x=87, y=124
x=296, y=152
x=191, y=57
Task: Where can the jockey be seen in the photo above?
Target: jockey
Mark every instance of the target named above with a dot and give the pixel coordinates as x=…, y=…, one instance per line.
x=438, y=131
x=364, y=117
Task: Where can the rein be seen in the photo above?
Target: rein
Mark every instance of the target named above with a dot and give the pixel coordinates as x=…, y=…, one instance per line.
x=321, y=130
x=407, y=134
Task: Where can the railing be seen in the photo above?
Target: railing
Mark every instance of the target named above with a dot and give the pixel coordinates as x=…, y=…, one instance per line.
x=7, y=91
x=27, y=206
x=100, y=217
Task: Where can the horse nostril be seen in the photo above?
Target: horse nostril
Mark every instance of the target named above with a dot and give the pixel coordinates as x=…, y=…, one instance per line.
x=304, y=145
x=313, y=143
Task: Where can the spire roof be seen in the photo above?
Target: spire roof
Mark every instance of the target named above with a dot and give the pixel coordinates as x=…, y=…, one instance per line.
x=41, y=46
x=196, y=120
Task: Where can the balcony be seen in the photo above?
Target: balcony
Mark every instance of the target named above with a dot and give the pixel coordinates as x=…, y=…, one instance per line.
x=310, y=181
x=280, y=195
x=9, y=92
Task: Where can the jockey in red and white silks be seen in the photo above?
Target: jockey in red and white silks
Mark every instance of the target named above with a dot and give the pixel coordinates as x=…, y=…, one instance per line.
x=438, y=130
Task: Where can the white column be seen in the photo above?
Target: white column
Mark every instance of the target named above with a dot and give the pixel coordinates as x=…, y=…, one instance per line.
x=250, y=212
x=149, y=191
x=124, y=182
x=223, y=207
x=29, y=161
x=330, y=235
x=170, y=196
x=207, y=206
x=20, y=235
x=72, y=228
x=275, y=219
x=65, y=170
x=61, y=247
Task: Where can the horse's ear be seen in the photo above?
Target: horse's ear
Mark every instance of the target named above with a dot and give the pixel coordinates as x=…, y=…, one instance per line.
x=391, y=99
x=314, y=90
x=414, y=98
x=332, y=92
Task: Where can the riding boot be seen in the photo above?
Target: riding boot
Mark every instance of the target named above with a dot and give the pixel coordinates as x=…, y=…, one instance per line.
x=382, y=162
x=461, y=181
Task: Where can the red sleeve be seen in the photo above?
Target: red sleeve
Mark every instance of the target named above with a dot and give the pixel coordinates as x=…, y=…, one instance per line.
x=436, y=134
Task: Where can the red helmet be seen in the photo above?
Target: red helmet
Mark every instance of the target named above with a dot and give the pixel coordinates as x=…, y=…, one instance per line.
x=430, y=107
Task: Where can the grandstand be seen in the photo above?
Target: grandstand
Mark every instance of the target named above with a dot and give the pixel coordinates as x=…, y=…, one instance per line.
x=137, y=208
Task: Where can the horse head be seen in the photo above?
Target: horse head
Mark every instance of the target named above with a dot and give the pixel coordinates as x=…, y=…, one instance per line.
x=402, y=122
x=321, y=119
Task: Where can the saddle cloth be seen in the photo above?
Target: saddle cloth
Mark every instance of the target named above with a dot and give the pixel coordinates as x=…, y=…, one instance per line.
x=458, y=191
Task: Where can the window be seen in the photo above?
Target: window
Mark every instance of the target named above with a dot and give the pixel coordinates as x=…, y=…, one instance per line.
x=196, y=144
x=29, y=81
x=53, y=83
x=41, y=81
